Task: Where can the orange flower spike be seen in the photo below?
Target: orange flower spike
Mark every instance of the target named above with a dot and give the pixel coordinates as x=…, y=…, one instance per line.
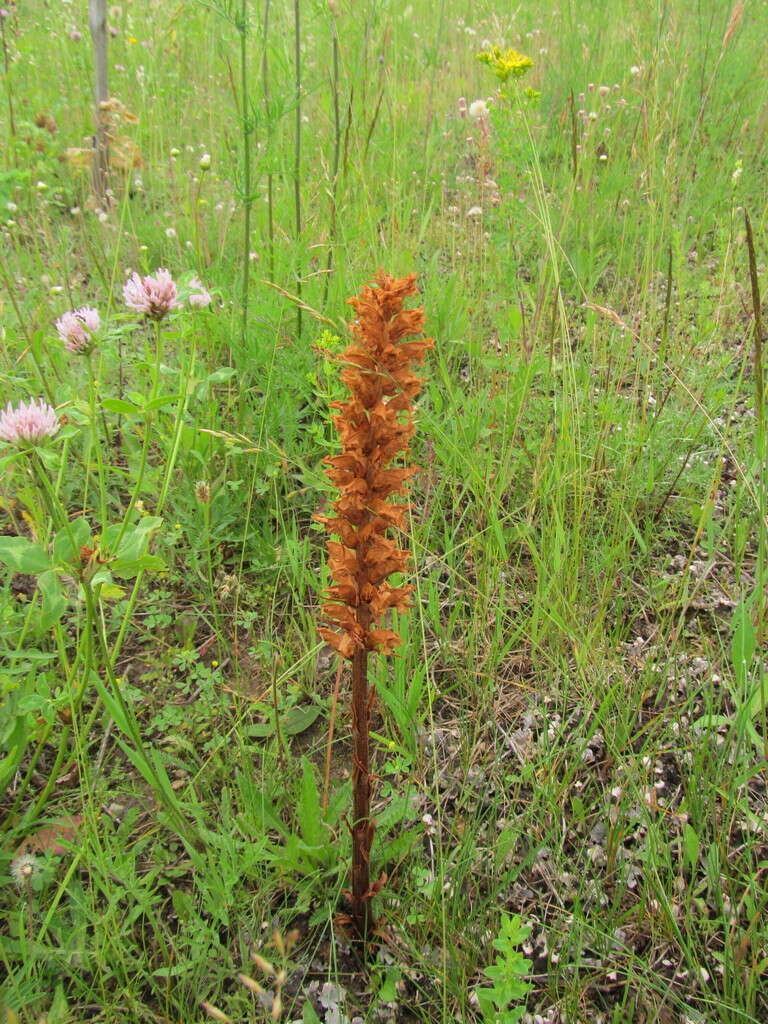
x=375, y=425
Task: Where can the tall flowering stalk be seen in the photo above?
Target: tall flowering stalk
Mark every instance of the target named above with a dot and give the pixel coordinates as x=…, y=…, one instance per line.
x=375, y=426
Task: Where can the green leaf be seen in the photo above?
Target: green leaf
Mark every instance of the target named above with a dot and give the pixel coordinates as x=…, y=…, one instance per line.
x=15, y=744
x=54, y=601
x=260, y=730
x=160, y=401
x=69, y=540
x=136, y=539
x=759, y=697
x=743, y=644
x=691, y=846
x=120, y=406
x=22, y=555
x=308, y=1014
x=298, y=719
x=221, y=375
x=128, y=568
x=310, y=822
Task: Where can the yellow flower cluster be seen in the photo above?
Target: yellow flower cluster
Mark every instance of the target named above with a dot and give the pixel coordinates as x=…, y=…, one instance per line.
x=505, y=64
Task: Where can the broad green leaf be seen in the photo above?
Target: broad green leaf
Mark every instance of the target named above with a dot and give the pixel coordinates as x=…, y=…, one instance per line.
x=220, y=375
x=298, y=719
x=260, y=730
x=136, y=538
x=160, y=401
x=54, y=600
x=122, y=407
x=69, y=540
x=310, y=822
x=128, y=568
x=308, y=1015
x=22, y=555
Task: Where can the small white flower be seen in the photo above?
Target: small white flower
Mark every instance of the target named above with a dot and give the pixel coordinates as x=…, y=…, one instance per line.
x=475, y=211
x=205, y=162
x=478, y=110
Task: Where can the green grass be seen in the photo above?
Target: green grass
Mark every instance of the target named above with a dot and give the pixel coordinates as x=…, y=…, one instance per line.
x=575, y=731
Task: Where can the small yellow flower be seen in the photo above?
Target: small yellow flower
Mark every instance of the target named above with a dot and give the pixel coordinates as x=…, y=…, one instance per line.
x=505, y=64
x=214, y=664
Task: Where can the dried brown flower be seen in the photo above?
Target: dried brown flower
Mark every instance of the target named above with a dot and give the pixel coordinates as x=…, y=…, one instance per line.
x=375, y=426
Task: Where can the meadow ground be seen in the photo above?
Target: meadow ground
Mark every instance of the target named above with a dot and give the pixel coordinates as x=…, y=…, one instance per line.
x=575, y=728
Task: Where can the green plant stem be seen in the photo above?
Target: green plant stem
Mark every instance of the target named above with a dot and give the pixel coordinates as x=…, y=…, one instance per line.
x=96, y=443
x=187, y=375
x=336, y=157
x=42, y=798
x=8, y=89
x=268, y=113
x=148, y=421
x=297, y=153
x=209, y=572
x=247, y=129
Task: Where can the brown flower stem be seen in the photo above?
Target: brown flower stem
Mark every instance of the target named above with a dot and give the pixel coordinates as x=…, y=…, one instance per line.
x=362, y=828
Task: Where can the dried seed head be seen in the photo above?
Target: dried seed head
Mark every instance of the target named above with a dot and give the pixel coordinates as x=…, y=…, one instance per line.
x=23, y=869
x=264, y=965
x=250, y=984
x=216, y=1013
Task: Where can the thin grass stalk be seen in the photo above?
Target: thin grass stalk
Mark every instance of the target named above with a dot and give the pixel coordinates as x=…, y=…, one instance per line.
x=267, y=109
x=297, y=153
x=329, y=741
x=336, y=146
x=246, y=125
x=574, y=137
x=8, y=87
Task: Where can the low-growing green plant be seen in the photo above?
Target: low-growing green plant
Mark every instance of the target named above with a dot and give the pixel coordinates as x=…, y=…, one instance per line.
x=507, y=974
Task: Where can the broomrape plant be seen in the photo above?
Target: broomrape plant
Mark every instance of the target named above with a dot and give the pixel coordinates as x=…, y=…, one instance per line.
x=375, y=426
